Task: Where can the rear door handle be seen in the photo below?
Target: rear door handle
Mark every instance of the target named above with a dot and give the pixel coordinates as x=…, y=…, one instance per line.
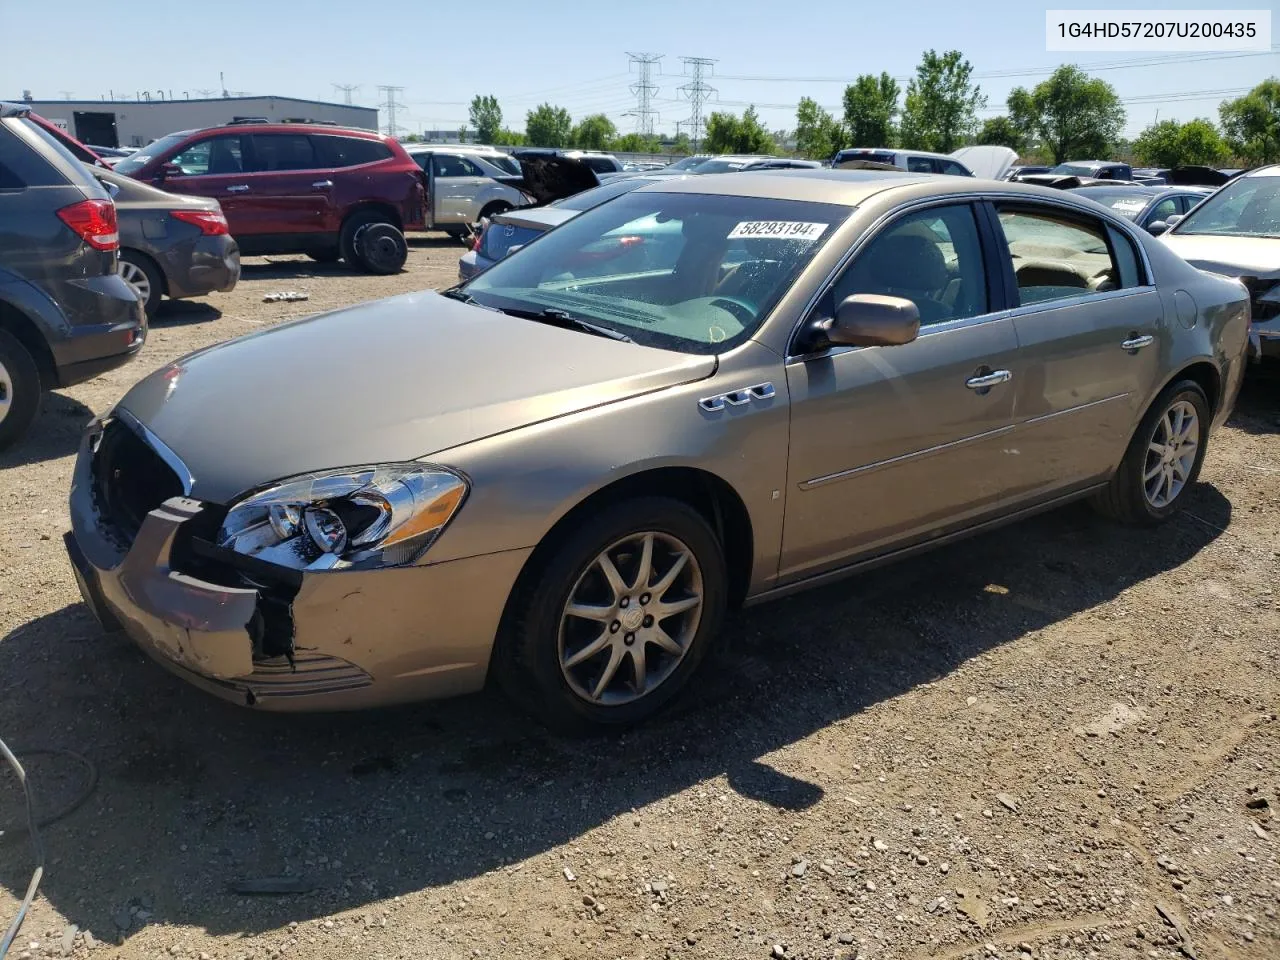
x=988, y=380
x=323, y=184
x=239, y=189
x=1137, y=343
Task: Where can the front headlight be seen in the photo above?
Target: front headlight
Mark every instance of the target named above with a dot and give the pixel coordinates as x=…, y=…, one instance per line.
x=362, y=517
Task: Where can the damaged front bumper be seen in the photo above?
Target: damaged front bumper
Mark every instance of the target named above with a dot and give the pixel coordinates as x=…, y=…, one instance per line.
x=311, y=641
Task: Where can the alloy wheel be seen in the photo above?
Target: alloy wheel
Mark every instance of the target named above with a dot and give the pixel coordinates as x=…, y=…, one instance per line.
x=1171, y=454
x=135, y=277
x=631, y=618
x=6, y=392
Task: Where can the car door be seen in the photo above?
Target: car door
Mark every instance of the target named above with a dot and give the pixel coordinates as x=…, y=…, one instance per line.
x=1090, y=334
x=290, y=190
x=457, y=181
x=214, y=167
x=891, y=445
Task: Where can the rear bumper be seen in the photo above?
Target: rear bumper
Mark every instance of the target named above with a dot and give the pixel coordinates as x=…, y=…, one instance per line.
x=91, y=349
x=359, y=638
x=471, y=264
x=201, y=266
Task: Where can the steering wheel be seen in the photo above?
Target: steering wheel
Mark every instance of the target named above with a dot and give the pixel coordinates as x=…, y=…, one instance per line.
x=742, y=311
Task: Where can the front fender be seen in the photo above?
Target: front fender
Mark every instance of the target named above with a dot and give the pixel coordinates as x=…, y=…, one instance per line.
x=525, y=481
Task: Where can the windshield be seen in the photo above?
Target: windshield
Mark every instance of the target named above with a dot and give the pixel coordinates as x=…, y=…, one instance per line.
x=687, y=163
x=720, y=165
x=1245, y=207
x=1077, y=169
x=135, y=162
x=598, y=195
x=503, y=162
x=1124, y=202
x=679, y=271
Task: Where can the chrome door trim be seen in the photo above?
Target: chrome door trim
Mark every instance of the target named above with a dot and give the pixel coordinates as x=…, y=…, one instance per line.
x=894, y=461
x=1069, y=410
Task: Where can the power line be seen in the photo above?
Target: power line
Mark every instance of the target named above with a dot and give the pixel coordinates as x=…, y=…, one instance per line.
x=697, y=91
x=347, y=89
x=644, y=89
x=391, y=106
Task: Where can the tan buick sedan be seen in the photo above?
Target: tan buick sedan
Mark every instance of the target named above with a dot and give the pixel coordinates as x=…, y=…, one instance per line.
x=705, y=393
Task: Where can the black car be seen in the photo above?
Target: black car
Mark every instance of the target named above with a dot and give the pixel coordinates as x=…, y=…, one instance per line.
x=1148, y=207
x=65, y=314
x=170, y=245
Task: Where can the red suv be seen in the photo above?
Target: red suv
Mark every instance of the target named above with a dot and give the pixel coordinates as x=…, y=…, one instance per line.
x=324, y=191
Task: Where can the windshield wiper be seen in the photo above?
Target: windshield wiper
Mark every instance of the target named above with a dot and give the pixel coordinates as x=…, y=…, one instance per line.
x=562, y=318
x=454, y=293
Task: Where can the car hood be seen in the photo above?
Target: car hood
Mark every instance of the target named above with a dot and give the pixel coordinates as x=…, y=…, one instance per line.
x=1231, y=256
x=987, y=162
x=549, y=176
x=388, y=381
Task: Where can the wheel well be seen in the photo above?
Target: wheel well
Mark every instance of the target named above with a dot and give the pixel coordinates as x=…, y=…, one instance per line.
x=1210, y=381
x=501, y=206
x=717, y=502
x=140, y=255
x=391, y=213
x=28, y=334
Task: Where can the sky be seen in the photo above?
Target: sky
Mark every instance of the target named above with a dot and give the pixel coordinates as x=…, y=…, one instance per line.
x=766, y=52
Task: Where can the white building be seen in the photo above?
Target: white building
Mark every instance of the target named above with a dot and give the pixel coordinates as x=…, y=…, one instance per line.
x=135, y=123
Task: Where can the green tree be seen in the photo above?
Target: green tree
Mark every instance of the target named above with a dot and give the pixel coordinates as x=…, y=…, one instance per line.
x=548, y=126
x=508, y=138
x=942, y=104
x=1076, y=116
x=486, y=118
x=595, y=132
x=818, y=135
x=1001, y=132
x=1171, y=144
x=870, y=106
x=727, y=133
x=679, y=145
x=637, y=143
x=1252, y=123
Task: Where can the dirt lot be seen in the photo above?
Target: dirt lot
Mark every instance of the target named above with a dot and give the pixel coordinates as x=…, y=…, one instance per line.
x=1034, y=743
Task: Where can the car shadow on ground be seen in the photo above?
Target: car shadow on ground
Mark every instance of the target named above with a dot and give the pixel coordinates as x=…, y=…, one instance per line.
x=55, y=433
x=195, y=793
x=295, y=270
x=178, y=313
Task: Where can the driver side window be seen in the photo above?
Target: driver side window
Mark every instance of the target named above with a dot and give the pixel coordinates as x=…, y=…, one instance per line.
x=932, y=257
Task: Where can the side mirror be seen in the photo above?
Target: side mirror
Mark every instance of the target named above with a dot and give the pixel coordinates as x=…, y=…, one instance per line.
x=169, y=170
x=1174, y=220
x=1157, y=227
x=869, y=320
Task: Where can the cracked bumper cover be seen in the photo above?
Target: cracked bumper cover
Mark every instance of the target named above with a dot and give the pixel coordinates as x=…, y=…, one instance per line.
x=361, y=639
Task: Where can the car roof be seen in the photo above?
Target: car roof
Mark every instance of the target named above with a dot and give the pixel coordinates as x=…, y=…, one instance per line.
x=1272, y=170
x=844, y=187
x=320, y=128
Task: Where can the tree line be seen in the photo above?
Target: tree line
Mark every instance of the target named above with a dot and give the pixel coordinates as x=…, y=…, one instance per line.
x=1069, y=116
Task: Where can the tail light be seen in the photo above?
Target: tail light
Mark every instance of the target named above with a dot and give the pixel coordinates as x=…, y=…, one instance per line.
x=479, y=236
x=211, y=222
x=94, y=222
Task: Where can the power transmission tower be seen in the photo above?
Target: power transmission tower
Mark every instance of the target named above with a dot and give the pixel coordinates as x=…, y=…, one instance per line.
x=644, y=89
x=697, y=91
x=347, y=89
x=391, y=106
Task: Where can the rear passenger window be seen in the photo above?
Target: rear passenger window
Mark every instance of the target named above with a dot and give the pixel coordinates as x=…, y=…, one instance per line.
x=9, y=179
x=278, y=152
x=920, y=165
x=1056, y=257
x=450, y=166
x=932, y=258
x=349, y=151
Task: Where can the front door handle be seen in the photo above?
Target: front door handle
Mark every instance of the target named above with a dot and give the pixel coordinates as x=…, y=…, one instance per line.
x=1137, y=343
x=242, y=188
x=323, y=184
x=988, y=380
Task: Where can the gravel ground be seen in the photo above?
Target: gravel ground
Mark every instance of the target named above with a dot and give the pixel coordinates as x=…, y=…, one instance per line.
x=1058, y=740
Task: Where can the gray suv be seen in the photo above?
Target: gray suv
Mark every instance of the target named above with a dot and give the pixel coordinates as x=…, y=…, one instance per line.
x=65, y=314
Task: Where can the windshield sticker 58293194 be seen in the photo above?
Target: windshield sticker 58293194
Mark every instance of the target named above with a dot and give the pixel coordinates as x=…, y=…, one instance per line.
x=777, y=230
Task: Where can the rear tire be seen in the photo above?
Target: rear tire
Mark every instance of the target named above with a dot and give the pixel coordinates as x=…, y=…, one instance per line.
x=144, y=278
x=20, y=390
x=1151, y=484
x=540, y=638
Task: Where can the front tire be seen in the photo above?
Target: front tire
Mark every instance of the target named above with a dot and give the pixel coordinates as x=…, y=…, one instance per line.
x=612, y=623
x=20, y=390
x=1163, y=460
